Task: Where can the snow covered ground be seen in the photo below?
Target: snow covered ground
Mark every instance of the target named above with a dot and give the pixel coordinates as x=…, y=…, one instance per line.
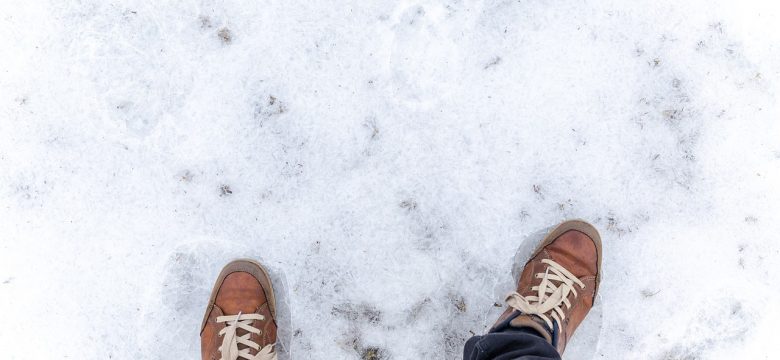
x=386, y=159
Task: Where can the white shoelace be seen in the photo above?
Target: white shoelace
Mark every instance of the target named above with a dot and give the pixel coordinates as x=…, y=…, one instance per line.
x=549, y=297
x=230, y=341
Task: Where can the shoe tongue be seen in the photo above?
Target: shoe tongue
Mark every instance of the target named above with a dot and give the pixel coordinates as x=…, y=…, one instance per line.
x=533, y=322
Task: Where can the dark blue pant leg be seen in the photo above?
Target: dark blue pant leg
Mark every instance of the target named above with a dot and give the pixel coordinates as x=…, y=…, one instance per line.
x=507, y=343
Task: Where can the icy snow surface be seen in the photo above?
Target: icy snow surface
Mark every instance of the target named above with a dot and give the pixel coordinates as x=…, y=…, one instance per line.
x=386, y=160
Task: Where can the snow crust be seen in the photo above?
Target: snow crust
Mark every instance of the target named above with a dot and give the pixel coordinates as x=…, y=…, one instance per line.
x=386, y=159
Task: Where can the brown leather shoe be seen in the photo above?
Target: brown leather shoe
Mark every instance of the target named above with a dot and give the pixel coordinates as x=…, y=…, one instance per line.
x=558, y=284
x=240, y=320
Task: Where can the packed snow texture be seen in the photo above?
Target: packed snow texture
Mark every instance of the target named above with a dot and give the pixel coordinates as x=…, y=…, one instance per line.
x=386, y=159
